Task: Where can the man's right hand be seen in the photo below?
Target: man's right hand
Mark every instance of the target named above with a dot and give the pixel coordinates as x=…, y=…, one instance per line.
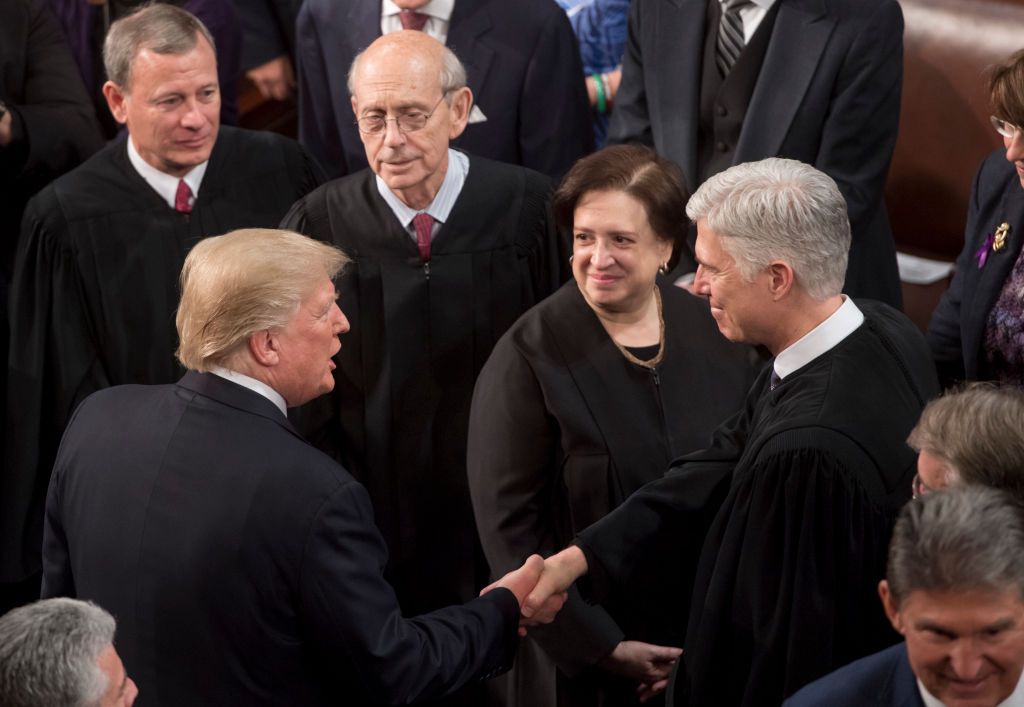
x=275, y=79
x=560, y=571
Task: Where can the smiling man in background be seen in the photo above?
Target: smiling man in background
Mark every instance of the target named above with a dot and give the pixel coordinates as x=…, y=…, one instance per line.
x=95, y=276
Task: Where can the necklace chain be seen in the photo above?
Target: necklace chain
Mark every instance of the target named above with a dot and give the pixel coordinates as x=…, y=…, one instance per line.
x=652, y=363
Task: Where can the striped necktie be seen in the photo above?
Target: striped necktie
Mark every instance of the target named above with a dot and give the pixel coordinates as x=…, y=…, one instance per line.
x=730, y=35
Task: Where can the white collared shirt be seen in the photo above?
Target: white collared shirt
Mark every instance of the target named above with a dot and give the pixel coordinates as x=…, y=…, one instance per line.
x=440, y=12
x=162, y=183
x=441, y=207
x=1016, y=698
x=822, y=338
x=751, y=14
x=254, y=385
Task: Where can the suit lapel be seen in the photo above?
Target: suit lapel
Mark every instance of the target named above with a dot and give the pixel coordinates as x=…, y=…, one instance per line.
x=679, y=43
x=798, y=40
x=902, y=687
x=998, y=265
x=470, y=21
x=362, y=24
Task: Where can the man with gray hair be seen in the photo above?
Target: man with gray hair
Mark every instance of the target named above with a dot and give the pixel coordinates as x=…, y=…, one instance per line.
x=244, y=564
x=954, y=589
x=95, y=276
x=60, y=653
x=783, y=520
x=449, y=249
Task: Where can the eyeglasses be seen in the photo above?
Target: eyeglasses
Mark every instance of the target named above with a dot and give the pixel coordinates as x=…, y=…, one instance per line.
x=1005, y=127
x=407, y=122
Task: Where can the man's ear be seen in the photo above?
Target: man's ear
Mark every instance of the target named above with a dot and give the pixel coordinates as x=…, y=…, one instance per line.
x=462, y=103
x=116, y=101
x=781, y=279
x=263, y=346
x=889, y=605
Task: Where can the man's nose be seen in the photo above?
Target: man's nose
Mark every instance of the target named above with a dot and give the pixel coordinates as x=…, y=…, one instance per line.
x=966, y=659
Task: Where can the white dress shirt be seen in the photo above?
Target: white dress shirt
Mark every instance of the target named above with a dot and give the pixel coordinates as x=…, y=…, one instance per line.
x=441, y=207
x=1016, y=698
x=822, y=338
x=440, y=12
x=162, y=183
x=254, y=385
x=751, y=15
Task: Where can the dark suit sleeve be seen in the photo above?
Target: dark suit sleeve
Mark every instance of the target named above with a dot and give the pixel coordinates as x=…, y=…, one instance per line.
x=630, y=121
x=267, y=30
x=859, y=134
x=56, y=119
x=945, y=327
x=354, y=613
x=318, y=130
x=513, y=442
x=555, y=128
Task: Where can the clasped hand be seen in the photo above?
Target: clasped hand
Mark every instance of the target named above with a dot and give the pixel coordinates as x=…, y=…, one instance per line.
x=540, y=585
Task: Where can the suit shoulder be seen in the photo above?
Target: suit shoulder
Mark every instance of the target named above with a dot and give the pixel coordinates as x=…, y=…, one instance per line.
x=864, y=681
x=491, y=174
x=253, y=148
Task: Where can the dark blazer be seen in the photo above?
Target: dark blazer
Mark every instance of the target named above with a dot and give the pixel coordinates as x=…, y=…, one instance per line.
x=956, y=333
x=523, y=66
x=242, y=565
x=828, y=94
x=268, y=29
x=883, y=679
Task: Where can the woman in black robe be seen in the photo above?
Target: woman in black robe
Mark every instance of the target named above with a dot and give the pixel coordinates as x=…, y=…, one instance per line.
x=586, y=398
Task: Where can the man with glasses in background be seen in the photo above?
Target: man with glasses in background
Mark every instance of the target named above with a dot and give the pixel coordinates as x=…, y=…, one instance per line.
x=448, y=250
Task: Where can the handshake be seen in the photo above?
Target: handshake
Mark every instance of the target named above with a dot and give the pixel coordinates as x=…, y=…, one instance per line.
x=540, y=585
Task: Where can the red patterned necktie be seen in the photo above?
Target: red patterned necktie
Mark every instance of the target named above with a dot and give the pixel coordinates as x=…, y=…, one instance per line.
x=183, y=198
x=424, y=224
x=413, y=20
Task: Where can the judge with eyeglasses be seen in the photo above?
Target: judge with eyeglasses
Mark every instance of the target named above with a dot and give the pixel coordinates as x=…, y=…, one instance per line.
x=448, y=250
x=977, y=331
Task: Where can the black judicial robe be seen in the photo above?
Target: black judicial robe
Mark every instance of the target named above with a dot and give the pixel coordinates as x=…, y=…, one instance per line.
x=563, y=428
x=802, y=488
x=95, y=293
x=398, y=416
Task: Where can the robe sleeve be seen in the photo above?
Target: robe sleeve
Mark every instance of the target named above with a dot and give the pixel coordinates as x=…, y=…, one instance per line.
x=789, y=593
x=549, y=248
x=665, y=518
x=513, y=483
x=53, y=364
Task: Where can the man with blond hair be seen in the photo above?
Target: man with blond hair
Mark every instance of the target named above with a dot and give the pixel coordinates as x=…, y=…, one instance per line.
x=243, y=563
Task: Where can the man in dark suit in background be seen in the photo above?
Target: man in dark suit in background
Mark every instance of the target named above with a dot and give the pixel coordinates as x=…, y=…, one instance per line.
x=955, y=590
x=96, y=270
x=242, y=564
x=713, y=84
x=523, y=64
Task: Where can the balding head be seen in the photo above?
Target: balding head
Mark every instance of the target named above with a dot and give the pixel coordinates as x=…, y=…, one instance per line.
x=409, y=76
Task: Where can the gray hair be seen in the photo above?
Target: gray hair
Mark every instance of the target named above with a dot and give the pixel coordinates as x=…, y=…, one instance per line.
x=49, y=652
x=963, y=538
x=779, y=209
x=235, y=285
x=975, y=430
x=453, y=74
x=157, y=27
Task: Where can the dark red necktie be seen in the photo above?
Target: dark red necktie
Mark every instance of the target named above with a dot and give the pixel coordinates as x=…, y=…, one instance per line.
x=413, y=20
x=183, y=198
x=424, y=224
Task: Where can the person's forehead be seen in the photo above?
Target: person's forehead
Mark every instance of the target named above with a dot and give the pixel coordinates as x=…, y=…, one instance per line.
x=963, y=608
x=156, y=66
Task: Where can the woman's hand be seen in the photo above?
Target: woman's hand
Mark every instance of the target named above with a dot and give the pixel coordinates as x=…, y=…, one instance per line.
x=646, y=663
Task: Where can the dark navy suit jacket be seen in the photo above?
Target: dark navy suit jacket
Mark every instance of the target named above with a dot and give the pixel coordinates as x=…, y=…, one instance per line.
x=883, y=679
x=242, y=565
x=956, y=333
x=522, y=63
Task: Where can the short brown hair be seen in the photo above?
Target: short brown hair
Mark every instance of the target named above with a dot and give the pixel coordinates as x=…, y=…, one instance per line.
x=1006, y=88
x=978, y=430
x=654, y=181
x=235, y=285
